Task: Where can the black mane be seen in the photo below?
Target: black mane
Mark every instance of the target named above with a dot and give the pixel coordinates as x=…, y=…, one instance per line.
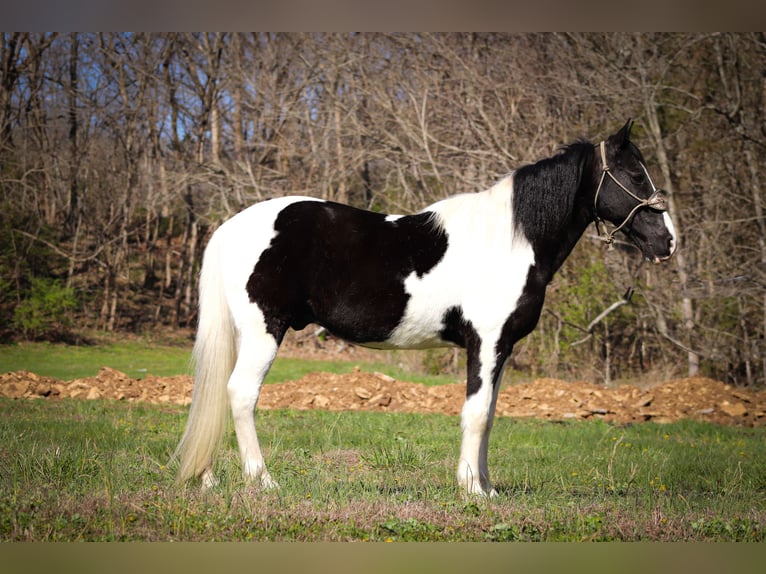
x=544, y=194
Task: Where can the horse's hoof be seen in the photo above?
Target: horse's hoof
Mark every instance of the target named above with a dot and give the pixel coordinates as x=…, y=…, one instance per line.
x=476, y=489
x=268, y=483
x=208, y=480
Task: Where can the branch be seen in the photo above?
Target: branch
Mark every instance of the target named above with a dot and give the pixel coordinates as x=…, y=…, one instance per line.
x=617, y=304
x=680, y=345
x=662, y=330
x=561, y=319
x=601, y=316
x=63, y=253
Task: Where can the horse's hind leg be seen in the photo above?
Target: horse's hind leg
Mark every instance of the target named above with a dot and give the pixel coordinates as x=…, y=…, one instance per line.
x=256, y=353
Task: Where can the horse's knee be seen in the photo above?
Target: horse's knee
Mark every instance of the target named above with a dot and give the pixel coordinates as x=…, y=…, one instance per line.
x=254, y=361
x=244, y=385
x=475, y=416
x=243, y=396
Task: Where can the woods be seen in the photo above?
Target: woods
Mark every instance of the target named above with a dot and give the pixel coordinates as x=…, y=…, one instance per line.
x=120, y=153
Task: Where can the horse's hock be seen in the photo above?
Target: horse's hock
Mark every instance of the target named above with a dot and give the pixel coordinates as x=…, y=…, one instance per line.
x=689, y=398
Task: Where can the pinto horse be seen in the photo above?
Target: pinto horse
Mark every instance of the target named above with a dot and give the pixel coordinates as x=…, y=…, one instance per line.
x=470, y=270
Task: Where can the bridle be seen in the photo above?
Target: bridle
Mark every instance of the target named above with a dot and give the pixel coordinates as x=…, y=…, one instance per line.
x=655, y=201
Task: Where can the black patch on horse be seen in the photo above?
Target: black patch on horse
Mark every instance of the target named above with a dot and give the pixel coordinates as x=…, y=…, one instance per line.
x=460, y=331
x=343, y=268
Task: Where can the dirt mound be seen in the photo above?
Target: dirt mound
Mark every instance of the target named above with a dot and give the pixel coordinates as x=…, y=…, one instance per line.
x=690, y=398
x=108, y=384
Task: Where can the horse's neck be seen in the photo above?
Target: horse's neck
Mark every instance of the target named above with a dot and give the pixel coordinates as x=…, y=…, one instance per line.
x=570, y=239
x=551, y=253
x=554, y=206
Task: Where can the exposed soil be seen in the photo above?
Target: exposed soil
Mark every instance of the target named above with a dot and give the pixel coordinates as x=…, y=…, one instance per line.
x=689, y=398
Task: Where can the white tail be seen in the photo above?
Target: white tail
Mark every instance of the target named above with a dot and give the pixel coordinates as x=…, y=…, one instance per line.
x=214, y=356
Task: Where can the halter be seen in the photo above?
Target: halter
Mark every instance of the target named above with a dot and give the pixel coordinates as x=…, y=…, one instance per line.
x=655, y=201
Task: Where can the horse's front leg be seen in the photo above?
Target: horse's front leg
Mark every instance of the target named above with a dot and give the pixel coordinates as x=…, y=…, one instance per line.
x=484, y=373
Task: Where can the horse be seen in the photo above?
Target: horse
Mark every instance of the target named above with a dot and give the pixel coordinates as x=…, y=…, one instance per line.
x=470, y=270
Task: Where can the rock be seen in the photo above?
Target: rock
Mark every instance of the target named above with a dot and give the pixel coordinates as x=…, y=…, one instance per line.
x=741, y=395
x=698, y=398
x=130, y=393
x=578, y=414
x=15, y=389
x=320, y=401
x=733, y=409
x=77, y=385
x=43, y=390
x=644, y=401
x=381, y=400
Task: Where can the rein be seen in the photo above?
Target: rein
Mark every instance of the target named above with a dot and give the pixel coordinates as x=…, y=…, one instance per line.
x=655, y=201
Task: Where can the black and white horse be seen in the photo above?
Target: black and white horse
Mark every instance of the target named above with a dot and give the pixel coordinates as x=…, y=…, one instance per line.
x=470, y=270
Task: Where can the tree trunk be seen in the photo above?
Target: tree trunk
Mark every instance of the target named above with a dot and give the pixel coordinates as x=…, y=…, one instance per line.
x=687, y=307
x=73, y=207
x=755, y=189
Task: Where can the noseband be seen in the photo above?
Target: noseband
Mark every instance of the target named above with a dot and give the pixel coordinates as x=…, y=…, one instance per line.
x=655, y=201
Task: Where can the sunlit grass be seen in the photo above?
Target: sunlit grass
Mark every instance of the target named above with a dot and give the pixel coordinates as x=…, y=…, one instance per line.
x=134, y=358
x=96, y=470
x=140, y=358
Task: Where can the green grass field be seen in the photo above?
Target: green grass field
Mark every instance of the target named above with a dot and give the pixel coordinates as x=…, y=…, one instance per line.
x=139, y=358
x=97, y=470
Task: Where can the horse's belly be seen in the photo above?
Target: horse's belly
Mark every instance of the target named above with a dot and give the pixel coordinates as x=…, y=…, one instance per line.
x=411, y=337
x=420, y=327
x=421, y=343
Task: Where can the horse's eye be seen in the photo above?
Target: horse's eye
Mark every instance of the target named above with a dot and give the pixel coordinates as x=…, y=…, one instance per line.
x=638, y=179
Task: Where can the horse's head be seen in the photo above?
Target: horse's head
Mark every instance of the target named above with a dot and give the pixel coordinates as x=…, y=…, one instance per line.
x=627, y=197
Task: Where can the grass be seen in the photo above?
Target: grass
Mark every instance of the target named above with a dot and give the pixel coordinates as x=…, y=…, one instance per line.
x=139, y=358
x=93, y=470
x=97, y=470
x=134, y=358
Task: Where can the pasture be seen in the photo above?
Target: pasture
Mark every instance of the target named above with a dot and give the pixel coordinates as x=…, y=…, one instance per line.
x=97, y=470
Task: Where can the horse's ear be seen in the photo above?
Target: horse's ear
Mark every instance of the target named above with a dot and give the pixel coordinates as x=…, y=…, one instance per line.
x=622, y=137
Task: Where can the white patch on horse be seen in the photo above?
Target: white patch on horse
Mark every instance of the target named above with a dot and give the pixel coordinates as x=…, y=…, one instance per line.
x=483, y=270
x=674, y=237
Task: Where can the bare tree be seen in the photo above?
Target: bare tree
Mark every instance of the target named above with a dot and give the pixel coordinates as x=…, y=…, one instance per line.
x=119, y=153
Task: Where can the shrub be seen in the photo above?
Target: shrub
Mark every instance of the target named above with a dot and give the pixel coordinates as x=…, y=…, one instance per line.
x=44, y=313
